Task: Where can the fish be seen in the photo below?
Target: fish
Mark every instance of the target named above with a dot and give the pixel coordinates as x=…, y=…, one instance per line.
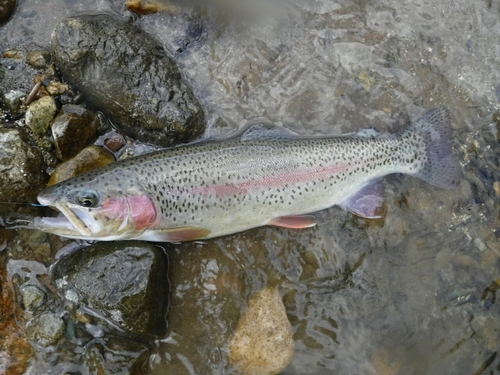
x=266, y=175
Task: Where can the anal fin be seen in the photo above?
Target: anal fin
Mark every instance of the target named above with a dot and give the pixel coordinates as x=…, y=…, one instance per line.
x=294, y=222
x=367, y=202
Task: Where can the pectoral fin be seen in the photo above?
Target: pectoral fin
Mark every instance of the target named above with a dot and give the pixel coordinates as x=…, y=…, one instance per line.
x=175, y=234
x=294, y=222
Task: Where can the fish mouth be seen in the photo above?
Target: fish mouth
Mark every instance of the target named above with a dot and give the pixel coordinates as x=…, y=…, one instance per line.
x=70, y=221
x=78, y=222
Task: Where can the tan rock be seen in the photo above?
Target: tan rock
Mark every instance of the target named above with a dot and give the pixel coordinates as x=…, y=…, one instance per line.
x=89, y=158
x=263, y=342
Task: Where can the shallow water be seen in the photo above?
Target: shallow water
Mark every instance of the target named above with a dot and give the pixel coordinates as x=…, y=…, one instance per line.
x=413, y=293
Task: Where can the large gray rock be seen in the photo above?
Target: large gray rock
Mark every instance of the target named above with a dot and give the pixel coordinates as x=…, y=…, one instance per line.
x=127, y=74
x=126, y=281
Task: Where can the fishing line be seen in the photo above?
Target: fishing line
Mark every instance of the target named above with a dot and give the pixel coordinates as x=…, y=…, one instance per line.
x=25, y=203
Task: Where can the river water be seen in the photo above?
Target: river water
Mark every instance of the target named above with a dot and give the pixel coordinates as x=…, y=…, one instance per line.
x=413, y=293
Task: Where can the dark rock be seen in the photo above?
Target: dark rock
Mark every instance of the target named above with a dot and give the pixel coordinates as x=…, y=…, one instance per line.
x=21, y=169
x=127, y=74
x=45, y=329
x=89, y=158
x=6, y=10
x=72, y=129
x=115, y=357
x=127, y=282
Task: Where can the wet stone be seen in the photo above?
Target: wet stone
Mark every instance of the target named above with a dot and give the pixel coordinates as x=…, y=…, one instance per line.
x=127, y=74
x=6, y=10
x=45, y=329
x=127, y=282
x=115, y=142
x=263, y=341
x=72, y=129
x=21, y=167
x=13, y=101
x=39, y=59
x=40, y=113
x=116, y=357
x=33, y=297
x=89, y=158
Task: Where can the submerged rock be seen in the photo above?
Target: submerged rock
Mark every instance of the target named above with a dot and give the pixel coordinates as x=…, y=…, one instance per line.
x=72, y=129
x=127, y=282
x=33, y=297
x=263, y=342
x=116, y=357
x=45, y=329
x=89, y=158
x=126, y=73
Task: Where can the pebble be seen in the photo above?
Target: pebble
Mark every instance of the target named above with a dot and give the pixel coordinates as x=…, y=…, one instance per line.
x=40, y=113
x=39, y=59
x=263, y=341
x=45, y=329
x=33, y=297
x=115, y=142
x=150, y=6
x=13, y=100
x=496, y=187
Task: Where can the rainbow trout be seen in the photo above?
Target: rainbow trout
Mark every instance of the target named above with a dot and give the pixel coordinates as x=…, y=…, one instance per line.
x=265, y=176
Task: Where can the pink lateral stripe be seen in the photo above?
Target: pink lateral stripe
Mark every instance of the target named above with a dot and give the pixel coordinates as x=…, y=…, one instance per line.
x=278, y=181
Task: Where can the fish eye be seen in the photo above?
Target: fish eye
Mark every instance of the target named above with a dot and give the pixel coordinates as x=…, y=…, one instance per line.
x=87, y=198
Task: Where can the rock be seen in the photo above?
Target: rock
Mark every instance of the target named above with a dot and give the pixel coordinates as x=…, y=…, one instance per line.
x=150, y=6
x=15, y=350
x=496, y=188
x=115, y=142
x=127, y=282
x=45, y=329
x=263, y=341
x=89, y=158
x=40, y=113
x=6, y=10
x=39, y=59
x=13, y=101
x=33, y=297
x=121, y=356
x=126, y=73
x=72, y=129
x=21, y=169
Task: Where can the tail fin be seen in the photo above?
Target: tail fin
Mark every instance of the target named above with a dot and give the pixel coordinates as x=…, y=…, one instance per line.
x=442, y=167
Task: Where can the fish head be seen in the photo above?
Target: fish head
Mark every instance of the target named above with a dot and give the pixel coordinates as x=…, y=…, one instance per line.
x=98, y=209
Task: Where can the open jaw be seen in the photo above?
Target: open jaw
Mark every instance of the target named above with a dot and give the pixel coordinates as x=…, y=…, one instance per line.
x=70, y=222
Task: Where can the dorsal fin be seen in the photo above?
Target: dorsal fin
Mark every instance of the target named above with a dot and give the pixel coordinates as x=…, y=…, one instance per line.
x=263, y=131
